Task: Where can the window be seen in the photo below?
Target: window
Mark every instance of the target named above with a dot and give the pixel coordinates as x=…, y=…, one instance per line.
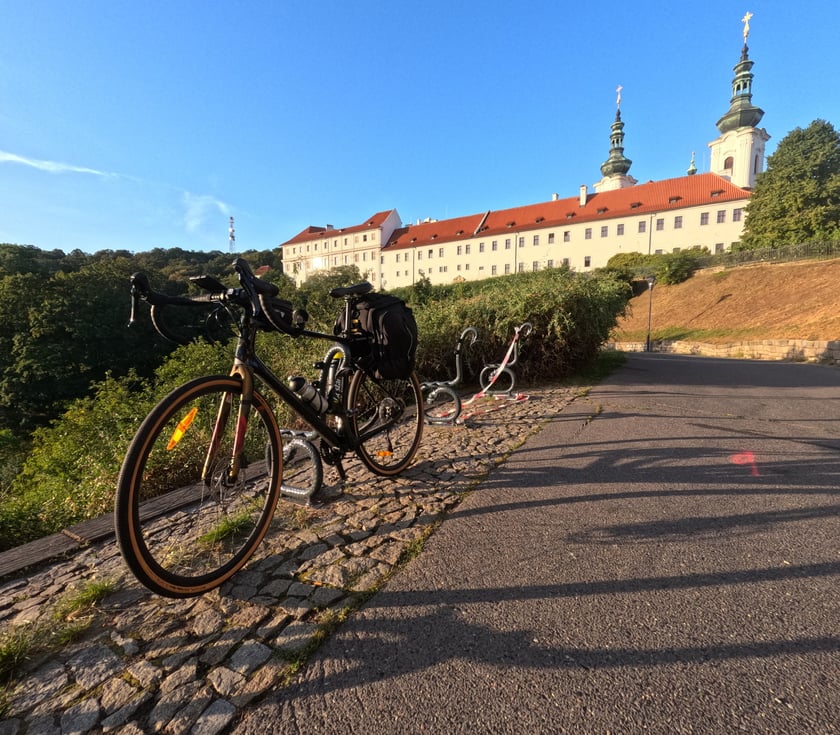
x=493, y=270
x=522, y=242
x=494, y=246
x=550, y=238
x=535, y=265
x=721, y=216
x=736, y=214
x=587, y=233
x=678, y=222
x=440, y=252
x=619, y=230
x=459, y=266
x=660, y=224
x=729, y=164
x=481, y=247
x=507, y=243
x=431, y=253
x=443, y=269
x=704, y=218
x=507, y=268
x=458, y=250
x=521, y=268
x=642, y=226
x=718, y=247
x=536, y=239
x=566, y=262
x=587, y=261
x=467, y=248
x=605, y=230
x=419, y=255
x=549, y=263
x=567, y=236
x=364, y=238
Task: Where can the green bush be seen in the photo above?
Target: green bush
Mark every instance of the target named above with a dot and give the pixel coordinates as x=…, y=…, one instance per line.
x=572, y=316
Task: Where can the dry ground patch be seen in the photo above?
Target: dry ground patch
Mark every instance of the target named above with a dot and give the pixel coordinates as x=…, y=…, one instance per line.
x=768, y=301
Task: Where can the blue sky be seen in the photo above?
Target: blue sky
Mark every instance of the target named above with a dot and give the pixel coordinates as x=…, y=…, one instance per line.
x=148, y=124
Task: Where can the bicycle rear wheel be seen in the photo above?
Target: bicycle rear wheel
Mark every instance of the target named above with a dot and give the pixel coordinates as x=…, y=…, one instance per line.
x=387, y=416
x=185, y=523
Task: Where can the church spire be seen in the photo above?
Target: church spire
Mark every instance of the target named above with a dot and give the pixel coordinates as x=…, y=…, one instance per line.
x=738, y=154
x=742, y=113
x=617, y=163
x=615, y=168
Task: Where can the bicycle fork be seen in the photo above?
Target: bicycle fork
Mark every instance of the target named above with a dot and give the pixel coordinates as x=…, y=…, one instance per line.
x=222, y=417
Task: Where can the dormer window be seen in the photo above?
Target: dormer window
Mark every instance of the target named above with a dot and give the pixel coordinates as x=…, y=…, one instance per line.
x=540, y=219
x=717, y=192
x=635, y=205
x=602, y=210
x=674, y=199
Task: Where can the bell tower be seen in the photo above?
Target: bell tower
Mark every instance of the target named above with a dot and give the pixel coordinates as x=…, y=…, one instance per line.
x=615, y=168
x=738, y=154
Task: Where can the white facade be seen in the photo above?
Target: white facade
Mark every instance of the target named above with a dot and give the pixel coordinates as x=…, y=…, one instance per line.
x=738, y=155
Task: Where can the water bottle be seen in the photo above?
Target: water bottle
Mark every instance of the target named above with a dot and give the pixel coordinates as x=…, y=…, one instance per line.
x=308, y=393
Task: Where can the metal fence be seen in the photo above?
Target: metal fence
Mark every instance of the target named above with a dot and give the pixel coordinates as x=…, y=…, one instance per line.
x=803, y=251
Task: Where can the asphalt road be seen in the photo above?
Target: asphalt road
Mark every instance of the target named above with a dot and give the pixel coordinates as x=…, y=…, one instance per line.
x=663, y=557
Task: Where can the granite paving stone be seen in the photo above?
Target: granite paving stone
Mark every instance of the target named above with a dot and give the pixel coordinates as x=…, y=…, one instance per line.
x=150, y=664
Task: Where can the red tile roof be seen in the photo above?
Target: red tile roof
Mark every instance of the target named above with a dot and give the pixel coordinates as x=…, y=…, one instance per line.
x=643, y=199
x=319, y=233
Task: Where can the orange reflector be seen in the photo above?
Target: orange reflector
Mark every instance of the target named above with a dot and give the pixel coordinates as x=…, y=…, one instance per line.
x=182, y=426
x=384, y=453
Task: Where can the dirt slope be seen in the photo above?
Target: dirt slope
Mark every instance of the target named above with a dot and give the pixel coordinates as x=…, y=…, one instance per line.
x=773, y=301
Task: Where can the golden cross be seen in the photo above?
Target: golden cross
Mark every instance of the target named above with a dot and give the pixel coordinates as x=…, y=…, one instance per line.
x=746, y=21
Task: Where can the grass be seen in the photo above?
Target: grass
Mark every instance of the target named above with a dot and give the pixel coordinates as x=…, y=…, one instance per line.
x=68, y=619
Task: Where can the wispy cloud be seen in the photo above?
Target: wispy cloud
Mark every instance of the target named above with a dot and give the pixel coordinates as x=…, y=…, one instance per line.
x=53, y=167
x=199, y=208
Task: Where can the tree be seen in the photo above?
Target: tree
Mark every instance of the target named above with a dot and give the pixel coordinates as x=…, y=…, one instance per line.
x=797, y=199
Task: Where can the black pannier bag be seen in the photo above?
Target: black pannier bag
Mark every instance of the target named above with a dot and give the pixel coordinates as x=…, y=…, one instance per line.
x=390, y=324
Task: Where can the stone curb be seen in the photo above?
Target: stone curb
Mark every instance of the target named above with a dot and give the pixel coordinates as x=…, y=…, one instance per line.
x=150, y=664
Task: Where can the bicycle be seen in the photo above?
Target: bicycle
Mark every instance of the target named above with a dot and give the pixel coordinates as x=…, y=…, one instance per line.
x=442, y=403
x=203, y=474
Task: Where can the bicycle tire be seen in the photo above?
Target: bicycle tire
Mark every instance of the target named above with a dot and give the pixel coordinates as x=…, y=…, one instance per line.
x=441, y=406
x=179, y=534
x=387, y=416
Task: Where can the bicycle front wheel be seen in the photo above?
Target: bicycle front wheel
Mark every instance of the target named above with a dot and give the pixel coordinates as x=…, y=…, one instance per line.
x=186, y=517
x=387, y=418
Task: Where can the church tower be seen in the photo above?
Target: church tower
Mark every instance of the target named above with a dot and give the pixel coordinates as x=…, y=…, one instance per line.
x=738, y=154
x=615, y=168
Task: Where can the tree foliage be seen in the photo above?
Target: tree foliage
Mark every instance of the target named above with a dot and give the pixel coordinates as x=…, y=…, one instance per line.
x=797, y=199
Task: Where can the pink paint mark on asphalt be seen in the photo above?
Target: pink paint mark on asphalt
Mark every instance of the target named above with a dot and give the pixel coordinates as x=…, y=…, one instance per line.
x=747, y=458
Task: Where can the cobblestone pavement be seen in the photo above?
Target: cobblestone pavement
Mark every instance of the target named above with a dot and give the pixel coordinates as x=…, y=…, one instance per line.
x=150, y=664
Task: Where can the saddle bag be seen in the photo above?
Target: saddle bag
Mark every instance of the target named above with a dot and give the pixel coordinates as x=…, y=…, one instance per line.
x=390, y=325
